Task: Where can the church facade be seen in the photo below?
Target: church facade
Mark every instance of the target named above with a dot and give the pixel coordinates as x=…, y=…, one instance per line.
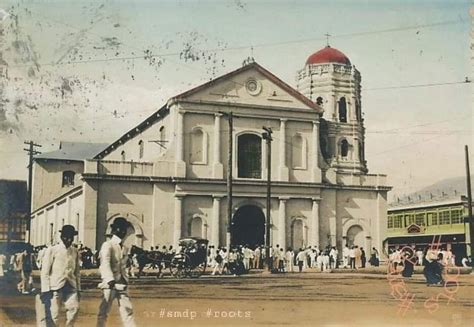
x=167, y=175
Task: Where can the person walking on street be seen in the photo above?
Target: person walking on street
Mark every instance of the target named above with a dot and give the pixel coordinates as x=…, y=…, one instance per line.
x=113, y=270
x=61, y=279
x=25, y=264
x=374, y=257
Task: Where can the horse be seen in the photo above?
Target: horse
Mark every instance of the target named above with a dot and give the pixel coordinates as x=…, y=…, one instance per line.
x=155, y=258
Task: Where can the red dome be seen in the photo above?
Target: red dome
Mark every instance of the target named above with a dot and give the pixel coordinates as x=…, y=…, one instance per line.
x=327, y=55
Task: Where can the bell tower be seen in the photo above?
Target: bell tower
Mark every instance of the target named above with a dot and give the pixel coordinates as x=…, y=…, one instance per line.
x=329, y=79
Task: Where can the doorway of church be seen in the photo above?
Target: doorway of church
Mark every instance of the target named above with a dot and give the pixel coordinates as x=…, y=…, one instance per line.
x=248, y=226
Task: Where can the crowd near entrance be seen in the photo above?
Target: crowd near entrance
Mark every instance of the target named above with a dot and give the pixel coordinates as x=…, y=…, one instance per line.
x=248, y=226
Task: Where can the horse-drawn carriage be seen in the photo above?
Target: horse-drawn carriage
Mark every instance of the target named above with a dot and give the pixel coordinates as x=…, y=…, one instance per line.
x=189, y=261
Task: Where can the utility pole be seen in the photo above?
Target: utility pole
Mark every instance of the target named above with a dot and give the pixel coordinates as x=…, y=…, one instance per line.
x=31, y=152
x=230, y=119
x=469, y=204
x=267, y=136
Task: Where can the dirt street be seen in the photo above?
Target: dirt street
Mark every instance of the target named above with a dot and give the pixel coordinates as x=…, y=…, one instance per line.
x=316, y=299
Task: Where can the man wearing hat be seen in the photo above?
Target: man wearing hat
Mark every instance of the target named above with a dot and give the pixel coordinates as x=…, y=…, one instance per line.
x=113, y=269
x=60, y=278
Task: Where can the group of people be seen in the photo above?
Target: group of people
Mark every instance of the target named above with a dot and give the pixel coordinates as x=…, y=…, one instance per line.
x=434, y=260
x=355, y=257
x=61, y=278
x=241, y=259
x=22, y=262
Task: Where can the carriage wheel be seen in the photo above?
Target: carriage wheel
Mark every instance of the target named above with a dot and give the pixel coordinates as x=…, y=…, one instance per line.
x=197, y=271
x=178, y=266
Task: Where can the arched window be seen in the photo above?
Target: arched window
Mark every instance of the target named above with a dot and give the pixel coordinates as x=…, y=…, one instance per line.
x=141, y=148
x=344, y=148
x=249, y=160
x=298, y=152
x=196, y=227
x=342, y=110
x=197, y=153
x=162, y=138
x=298, y=234
x=68, y=178
x=122, y=154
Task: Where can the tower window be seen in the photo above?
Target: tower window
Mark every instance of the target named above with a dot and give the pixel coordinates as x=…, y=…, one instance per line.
x=358, y=111
x=162, y=142
x=141, y=148
x=68, y=178
x=249, y=156
x=344, y=148
x=361, y=152
x=122, y=154
x=342, y=110
x=319, y=101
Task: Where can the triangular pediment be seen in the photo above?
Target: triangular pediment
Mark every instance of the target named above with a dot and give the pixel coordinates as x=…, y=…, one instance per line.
x=415, y=229
x=250, y=85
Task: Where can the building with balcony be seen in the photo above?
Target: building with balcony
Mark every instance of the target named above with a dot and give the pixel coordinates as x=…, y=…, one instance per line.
x=422, y=222
x=167, y=175
x=13, y=211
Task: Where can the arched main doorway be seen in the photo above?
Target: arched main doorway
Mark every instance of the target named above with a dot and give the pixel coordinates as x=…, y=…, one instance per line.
x=248, y=226
x=355, y=236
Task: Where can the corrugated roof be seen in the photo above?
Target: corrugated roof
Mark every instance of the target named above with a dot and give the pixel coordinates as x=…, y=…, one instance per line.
x=74, y=151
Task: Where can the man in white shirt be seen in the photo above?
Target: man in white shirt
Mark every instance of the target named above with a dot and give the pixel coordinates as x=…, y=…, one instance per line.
x=113, y=269
x=333, y=257
x=60, y=278
x=290, y=257
x=300, y=259
x=352, y=257
x=345, y=256
x=247, y=252
x=257, y=256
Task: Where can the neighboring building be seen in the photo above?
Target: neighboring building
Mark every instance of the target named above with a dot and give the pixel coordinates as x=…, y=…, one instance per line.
x=57, y=190
x=13, y=210
x=425, y=221
x=167, y=175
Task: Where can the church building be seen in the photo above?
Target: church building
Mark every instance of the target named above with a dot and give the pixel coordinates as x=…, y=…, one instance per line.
x=167, y=175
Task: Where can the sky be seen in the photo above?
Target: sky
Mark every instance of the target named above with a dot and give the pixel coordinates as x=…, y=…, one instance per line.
x=90, y=71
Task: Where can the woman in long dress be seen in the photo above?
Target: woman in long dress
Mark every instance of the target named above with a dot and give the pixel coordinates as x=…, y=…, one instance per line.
x=433, y=268
x=408, y=260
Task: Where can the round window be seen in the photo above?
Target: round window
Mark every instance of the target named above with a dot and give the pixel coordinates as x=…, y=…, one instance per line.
x=253, y=86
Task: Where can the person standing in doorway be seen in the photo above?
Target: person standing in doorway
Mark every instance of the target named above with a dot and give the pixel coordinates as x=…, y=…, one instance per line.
x=61, y=278
x=113, y=269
